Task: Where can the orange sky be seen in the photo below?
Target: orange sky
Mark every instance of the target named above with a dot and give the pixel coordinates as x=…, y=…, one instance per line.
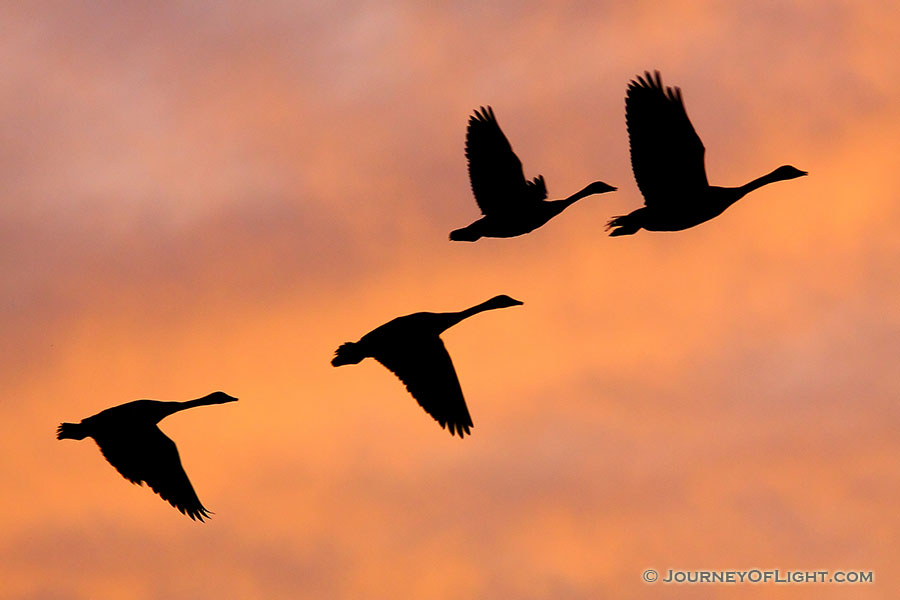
x=215, y=195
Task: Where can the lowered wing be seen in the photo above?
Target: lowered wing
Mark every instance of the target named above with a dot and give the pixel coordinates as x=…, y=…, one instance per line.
x=427, y=371
x=151, y=457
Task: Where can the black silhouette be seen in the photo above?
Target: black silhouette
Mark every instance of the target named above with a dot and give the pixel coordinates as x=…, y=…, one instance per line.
x=667, y=160
x=412, y=349
x=511, y=205
x=132, y=443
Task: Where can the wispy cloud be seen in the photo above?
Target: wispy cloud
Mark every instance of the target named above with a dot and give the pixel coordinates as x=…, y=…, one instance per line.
x=208, y=196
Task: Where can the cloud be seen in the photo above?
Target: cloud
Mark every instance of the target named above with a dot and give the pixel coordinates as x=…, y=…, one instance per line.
x=205, y=197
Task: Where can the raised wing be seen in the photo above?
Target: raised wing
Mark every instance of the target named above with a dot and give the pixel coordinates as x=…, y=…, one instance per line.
x=495, y=171
x=537, y=188
x=667, y=155
x=427, y=371
x=150, y=456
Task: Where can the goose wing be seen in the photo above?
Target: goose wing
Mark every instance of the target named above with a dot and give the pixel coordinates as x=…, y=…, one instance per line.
x=498, y=181
x=152, y=457
x=667, y=155
x=427, y=371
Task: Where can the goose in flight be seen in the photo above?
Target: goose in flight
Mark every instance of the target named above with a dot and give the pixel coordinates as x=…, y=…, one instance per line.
x=132, y=443
x=667, y=160
x=412, y=349
x=511, y=205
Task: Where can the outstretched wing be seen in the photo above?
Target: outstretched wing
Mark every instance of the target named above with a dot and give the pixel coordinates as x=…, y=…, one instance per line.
x=666, y=152
x=495, y=171
x=150, y=456
x=428, y=373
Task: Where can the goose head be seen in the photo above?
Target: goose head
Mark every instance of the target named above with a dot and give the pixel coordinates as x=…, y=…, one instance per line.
x=599, y=187
x=502, y=301
x=219, y=398
x=787, y=172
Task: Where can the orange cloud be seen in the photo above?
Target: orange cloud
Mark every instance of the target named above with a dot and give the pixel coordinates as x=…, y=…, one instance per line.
x=205, y=199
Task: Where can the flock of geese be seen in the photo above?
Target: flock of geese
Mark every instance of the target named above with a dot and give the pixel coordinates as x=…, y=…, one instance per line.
x=667, y=157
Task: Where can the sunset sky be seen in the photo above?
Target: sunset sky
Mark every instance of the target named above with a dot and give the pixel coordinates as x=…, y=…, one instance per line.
x=202, y=196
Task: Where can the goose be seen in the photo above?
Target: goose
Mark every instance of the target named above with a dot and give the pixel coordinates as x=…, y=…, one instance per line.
x=411, y=348
x=132, y=443
x=667, y=160
x=511, y=205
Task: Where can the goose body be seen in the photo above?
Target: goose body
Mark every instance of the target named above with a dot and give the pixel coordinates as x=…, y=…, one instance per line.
x=667, y=158
x=129, y=439
x=511, y=205
x=410, y=346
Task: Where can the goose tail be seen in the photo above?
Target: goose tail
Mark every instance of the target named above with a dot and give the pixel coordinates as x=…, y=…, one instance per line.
x=71, y=431
x=624, y=224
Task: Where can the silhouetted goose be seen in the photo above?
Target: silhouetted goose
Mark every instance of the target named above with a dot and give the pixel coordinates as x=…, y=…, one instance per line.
x=132, y=443
x=667, y=160
x=511, y=205
x=412, y=349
